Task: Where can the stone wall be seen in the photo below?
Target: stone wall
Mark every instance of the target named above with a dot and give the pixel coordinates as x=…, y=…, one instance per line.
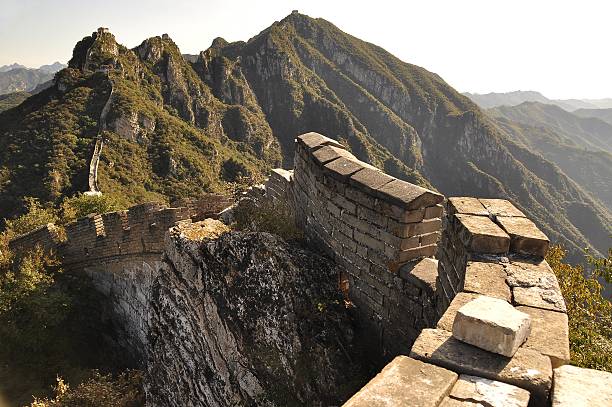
x=377, y=227
x=121, y=252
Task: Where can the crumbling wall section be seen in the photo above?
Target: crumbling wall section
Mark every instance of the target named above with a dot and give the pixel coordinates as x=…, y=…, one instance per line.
x=121, y=252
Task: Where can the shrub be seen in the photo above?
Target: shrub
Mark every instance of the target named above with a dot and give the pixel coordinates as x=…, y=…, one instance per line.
x=265, y=216
x=82, y=205
x=124, y=390
x=589, y=313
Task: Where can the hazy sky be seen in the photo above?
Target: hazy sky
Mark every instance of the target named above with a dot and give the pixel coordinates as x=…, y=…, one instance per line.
x=560, y=48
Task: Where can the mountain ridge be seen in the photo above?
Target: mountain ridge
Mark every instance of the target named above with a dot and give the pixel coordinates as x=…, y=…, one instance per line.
x=253, y=98
x=496, y=99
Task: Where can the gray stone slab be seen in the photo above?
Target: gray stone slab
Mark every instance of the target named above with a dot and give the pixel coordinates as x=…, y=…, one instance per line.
x=448, y=318
x=501, y=207
x=527, y=369
x=410, y=196
x=578, y=387
x=466, y=205
x=525, y=237
x=549, y=334
x=405, y=382
x=487, y=392
x=481, y=235
x=423, y=274
x=370, y=180
x=492, y=324
x=326, y=154
x=343, y=167
x=313, y=140
x=534, y=286
x=487, y=279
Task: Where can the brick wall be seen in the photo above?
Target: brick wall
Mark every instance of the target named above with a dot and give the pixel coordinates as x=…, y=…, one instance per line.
x=121, y=253
x=377, y=227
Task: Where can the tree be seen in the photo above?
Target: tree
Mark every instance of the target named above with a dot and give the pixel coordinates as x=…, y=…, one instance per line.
x=589, y=312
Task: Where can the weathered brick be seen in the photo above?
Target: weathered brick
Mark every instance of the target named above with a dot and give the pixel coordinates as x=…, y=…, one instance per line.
x=343, y=168
x=429, y=238
x=525, y=237
x=372, y=216
x=408, y=195
x=487, y=279
x=433, y=212
x=481, y=235
x=368, y=241
x=501, y=207
x=360, y=197
x=467, y=205
x=344, y=203
x=369, y=180
x=326, y=154
x=314, y=140
x=404, y=382
x=411, y=254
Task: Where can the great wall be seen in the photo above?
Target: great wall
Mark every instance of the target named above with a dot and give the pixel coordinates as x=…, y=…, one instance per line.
x=410, y=261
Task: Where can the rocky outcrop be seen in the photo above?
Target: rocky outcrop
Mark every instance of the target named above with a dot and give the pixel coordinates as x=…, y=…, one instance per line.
x=247, y=319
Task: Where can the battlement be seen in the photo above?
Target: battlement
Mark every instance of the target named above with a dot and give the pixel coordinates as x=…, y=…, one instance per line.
x=138, y=230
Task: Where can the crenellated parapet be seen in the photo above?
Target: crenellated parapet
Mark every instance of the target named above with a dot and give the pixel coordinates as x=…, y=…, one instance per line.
x=139, y=230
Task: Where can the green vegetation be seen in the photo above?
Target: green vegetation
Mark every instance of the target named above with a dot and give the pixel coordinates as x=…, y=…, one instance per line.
x=588, y=311
x=47, y=318
x=265, y=216
x=11, y=100
x=124, y=390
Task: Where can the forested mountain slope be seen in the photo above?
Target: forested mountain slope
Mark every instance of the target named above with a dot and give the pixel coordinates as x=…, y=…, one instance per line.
x=174, y=126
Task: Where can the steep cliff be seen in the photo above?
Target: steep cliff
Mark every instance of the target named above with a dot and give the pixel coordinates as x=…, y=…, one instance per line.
x=247, y=319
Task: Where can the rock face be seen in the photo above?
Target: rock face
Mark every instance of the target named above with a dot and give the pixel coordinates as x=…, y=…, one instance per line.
x=248, y=320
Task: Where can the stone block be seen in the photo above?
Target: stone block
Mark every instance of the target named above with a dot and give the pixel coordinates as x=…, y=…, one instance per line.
x=527, y=369
x=534, y=286
x=549, y=334
x=492, y=324
x=343, y=167
x=369, y=180
x=487, y=279
x=578, y=387
x=423, y=274
x=411, y=254
x=326, y=154
x=467, y=205
x=481, y=235
x=400, y=214
x=313, y=140
x=448, y=318
x=500, y=207
x=525, y=237
x=434, y=212
x=405, y=382
x=487, y=392
x=429, y=238
x=408, y=195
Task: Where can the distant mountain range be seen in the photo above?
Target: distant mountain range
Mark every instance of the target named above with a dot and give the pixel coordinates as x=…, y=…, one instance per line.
x=493, y=99
x=177, y=126
x=603, y=114
x=18, y=78
x=580, y=146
